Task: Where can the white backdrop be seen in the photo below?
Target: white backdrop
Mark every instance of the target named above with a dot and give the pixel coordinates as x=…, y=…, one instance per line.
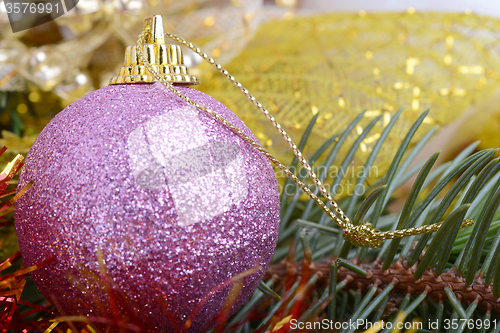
x=485, y=7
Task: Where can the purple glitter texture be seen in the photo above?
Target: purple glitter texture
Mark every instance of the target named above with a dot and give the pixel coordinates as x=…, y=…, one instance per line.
x=85, y=200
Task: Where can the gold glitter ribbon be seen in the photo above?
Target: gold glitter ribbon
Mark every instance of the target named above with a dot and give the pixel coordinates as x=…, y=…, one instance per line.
x=364, y=235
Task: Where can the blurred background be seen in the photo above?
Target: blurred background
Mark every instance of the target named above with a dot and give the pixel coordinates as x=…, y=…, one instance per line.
x=300, y=58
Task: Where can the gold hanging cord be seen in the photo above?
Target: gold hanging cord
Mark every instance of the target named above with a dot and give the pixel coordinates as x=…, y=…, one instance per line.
x=363, y=235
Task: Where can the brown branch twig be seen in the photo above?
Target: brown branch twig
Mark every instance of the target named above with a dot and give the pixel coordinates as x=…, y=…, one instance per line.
x=402, y=276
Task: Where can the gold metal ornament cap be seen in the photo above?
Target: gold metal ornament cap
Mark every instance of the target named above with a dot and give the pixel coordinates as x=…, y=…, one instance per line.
x=165, y=58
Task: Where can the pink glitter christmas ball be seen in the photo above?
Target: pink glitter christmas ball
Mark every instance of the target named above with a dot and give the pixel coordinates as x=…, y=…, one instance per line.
x=173, y=202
